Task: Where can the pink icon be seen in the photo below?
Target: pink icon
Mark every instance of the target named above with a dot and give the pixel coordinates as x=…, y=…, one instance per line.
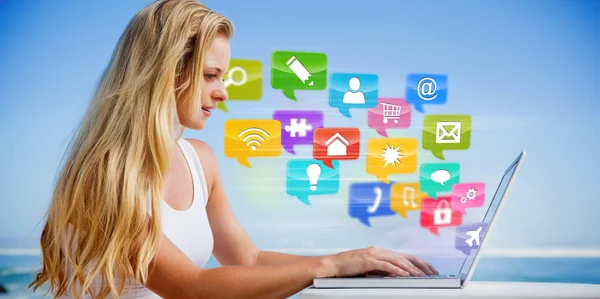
x=468, y=195
x=390, y=113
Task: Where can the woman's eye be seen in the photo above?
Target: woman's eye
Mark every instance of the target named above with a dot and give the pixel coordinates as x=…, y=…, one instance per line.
x=210, y=76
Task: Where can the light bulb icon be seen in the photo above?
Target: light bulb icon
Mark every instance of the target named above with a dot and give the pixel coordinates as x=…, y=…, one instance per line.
x=313, y=171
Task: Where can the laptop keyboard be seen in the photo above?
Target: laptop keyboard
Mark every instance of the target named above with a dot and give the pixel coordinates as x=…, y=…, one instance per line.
x=425, y=276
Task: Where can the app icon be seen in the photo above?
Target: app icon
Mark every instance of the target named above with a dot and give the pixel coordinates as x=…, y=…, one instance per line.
x=426, y=89
x=336, y=144
x=297, y=127
x=369, y=200
x=243, y=81
x=439, y=177
x=292, y=71
x=469, y=236
x=439, y=213
x=387, y=156
x=390, y=113
x=446, y=132
x=245, y=138
x=353, y=91
x=406, y=197
x=468, y=195
x=307, y=177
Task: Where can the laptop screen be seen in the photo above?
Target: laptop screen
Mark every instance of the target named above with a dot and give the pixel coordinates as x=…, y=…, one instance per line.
x=493, y=207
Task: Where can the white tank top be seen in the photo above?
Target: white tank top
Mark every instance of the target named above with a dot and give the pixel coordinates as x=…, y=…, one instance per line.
x=189, y=230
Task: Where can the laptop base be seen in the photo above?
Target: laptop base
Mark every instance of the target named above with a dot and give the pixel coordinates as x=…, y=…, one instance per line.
x=382, y=282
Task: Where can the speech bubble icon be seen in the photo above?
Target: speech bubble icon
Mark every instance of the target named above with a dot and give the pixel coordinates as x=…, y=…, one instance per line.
x=353, y=91
x=439, y=177
x=422, y=89
x=371, y=199
x=390, y=113
x=246, y=138
x=386, y=156
x=406, y=197
x=243, y=80
x=298, y=127
x=439, y=213
x=470, y=236
x=468, y=195
x=336, y=144
x=446, y=132
x=292, y=71
x=308, y=177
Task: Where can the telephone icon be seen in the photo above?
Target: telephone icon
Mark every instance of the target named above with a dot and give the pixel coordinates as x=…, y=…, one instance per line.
x=378, y=193
x=409, y=192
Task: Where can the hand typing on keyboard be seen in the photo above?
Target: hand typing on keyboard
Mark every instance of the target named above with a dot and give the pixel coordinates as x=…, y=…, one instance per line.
x=377, y=260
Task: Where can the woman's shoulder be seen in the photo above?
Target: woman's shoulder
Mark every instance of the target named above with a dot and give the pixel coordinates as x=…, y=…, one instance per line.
x=205, y=154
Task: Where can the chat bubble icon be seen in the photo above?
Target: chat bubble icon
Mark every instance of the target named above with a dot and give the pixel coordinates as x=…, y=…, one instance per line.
x=371, y=199
x=292, y=71
x=243, y=80
x=470, y=236
x=251, y=138
x=446, y=132
x=386, y=156
x=423, y=89
x=353, y=91
x=336, y=144
x=439, y=177
x=390, y=113
x=406, y=197
x=308, y=177
x=468, y=195
x=439, y=213
x=298, y=127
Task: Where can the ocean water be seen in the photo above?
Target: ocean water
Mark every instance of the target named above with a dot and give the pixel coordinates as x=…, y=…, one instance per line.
x=16, y=272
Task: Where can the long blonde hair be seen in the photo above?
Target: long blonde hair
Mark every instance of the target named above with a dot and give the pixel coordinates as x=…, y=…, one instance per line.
x=98, y=224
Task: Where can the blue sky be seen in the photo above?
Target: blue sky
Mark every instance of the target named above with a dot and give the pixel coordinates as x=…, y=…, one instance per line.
x=526, y=71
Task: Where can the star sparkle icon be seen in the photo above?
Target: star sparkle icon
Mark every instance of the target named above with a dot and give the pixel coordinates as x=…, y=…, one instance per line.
x=391, y=155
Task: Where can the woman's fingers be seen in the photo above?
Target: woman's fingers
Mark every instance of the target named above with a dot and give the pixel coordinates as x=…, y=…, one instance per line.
x=421, y=264
x=380, y=265
x=402, y=262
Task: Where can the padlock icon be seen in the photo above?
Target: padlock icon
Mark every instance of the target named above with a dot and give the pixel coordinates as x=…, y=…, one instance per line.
x=443, y=213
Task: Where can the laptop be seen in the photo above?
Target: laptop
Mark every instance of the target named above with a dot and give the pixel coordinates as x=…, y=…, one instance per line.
x=443, y=281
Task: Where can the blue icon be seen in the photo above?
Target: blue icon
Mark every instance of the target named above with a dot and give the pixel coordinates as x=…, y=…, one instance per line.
x=424, y=89
x=307, y=177
x=369, y=200
x=353, y=91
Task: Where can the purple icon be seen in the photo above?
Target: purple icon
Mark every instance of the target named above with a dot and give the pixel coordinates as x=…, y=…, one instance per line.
x=297, y=127
x=469, y=236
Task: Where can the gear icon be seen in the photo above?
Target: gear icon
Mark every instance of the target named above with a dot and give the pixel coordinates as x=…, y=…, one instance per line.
x=463, y=199
x=471, y=194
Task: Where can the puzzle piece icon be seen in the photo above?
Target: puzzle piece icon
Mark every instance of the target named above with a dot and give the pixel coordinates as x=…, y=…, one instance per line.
x=299, y=128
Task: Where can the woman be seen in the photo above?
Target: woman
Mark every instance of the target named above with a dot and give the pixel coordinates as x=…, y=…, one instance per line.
x=138, y=210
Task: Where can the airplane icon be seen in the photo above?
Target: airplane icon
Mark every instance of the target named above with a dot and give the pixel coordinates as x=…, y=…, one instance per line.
x=474, y=237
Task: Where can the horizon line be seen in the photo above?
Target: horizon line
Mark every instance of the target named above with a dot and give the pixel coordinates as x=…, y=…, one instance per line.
x=492, y=252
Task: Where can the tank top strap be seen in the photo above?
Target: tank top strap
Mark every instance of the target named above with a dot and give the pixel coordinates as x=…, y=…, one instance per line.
x=197, y=172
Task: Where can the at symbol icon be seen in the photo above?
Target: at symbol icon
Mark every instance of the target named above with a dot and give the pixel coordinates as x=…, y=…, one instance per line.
x=426, y=89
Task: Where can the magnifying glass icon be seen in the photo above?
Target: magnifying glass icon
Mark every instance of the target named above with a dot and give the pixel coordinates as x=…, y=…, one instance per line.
x=230, y=80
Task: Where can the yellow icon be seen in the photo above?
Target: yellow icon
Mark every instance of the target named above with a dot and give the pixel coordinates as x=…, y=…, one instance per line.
x=387, y=156
x=245, y=138
x=405, y=197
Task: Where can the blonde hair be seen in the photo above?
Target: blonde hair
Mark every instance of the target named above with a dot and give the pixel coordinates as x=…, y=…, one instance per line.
x=98, y=223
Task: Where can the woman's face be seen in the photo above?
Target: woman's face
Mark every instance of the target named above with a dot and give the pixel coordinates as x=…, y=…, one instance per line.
x=215, y=65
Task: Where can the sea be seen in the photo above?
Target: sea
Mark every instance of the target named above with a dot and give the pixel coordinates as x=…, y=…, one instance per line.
x=16, y=272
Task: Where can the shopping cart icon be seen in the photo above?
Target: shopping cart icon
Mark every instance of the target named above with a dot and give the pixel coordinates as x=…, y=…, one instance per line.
x=391, y=111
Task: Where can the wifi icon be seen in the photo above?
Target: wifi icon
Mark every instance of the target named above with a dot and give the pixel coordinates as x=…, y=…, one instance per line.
x=253, y=137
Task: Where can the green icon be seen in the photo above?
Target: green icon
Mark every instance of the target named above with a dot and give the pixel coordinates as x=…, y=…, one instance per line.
x=446, y=132
x=243, y=81
x=438, y=178
x=298, y=70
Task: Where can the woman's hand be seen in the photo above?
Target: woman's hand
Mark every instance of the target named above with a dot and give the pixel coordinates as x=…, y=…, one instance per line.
x=377, y=260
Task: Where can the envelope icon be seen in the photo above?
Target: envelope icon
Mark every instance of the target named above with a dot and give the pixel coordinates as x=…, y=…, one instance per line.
x=448, y=132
